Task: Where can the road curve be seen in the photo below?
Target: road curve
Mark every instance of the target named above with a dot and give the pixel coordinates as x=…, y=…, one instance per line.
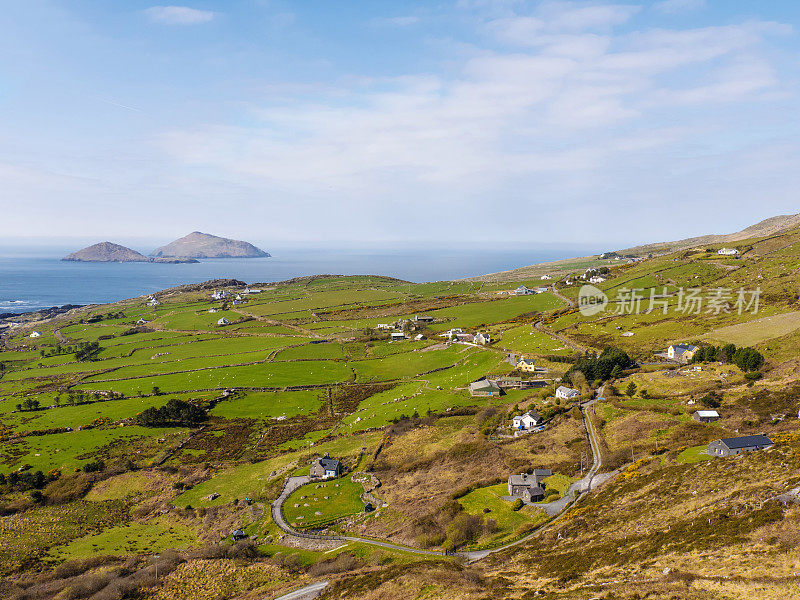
x=583, y=486
x=312, y=590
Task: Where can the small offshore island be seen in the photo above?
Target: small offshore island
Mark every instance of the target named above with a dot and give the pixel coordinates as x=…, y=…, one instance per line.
x=184, y=250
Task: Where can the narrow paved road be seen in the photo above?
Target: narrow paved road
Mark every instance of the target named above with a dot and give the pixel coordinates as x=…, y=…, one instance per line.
x=312, y=590
x=558, y=294
x=576, y=492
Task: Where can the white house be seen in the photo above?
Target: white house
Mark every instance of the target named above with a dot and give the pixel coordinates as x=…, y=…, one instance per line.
x=524, y=291
x=566, y=393
x=212, y=310
x=542, y=290
x=419, y=337
x=153, y=302
x=597, y=279
x=35, y=334
x=527, y=420
x=546, y=277
x=482, y=339
x=728, y=252
x=681, y=352
x=223, y=321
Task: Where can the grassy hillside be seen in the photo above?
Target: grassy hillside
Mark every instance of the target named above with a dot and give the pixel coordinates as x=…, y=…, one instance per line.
x=99, y=482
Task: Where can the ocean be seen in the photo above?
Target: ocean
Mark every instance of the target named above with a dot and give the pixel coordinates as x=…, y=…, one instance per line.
x=33, y=278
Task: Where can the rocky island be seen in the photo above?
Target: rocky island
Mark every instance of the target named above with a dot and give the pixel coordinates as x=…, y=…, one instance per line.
x=106, y=252
x=110, y=252
x=205, y=245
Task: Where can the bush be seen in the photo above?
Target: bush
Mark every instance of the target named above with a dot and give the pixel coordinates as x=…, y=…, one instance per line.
x=517, y=504
x=94, y=466
x=463, y=529
x=175, y=413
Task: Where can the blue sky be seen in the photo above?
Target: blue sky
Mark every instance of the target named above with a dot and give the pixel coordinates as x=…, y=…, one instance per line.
x=488, y=121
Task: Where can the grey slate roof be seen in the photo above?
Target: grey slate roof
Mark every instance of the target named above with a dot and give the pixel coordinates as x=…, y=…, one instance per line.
x=524, y=479
x=329, y=464
x=747, y=441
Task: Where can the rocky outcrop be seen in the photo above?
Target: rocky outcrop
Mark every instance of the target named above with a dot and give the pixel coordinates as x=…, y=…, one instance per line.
x=106, y=252
x=205, y=245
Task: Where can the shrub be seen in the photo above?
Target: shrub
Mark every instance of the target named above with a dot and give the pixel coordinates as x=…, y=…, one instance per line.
x=175, y=413
x=463, y=529
x=517, y=504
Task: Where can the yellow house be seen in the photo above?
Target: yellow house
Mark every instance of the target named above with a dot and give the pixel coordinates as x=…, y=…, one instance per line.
x=527, y=365
x=681, y=352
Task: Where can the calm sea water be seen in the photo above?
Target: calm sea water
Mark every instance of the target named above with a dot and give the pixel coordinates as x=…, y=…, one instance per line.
x=36, y=278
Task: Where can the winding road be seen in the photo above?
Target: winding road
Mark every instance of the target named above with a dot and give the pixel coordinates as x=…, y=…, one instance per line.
x=576, y=491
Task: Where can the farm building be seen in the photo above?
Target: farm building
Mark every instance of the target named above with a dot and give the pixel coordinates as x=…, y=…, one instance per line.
x=566, y=393
x=223, y=321
x=706, y=416
x=484, y=387
x=35, y=334
x=728, y=252
x=681, y=352
x=326, y=467
x=423, y=318
x=397, y=336
x=737, y=445
x=527, y=420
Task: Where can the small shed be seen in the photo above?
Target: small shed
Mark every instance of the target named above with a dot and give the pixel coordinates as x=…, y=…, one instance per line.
x=706, y=416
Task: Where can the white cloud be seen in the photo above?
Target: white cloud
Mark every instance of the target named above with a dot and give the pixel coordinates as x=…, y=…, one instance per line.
x=404, y=21
x=503, y=115
x=672, y=7
x=573, y=16
x=178, y=15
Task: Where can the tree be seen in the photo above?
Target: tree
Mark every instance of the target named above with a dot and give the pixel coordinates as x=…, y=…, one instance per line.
x=175, y=413
x=748, y=359
x=630, y=390
x=156, y=390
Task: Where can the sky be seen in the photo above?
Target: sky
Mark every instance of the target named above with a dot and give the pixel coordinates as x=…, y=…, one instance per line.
x=487, y=122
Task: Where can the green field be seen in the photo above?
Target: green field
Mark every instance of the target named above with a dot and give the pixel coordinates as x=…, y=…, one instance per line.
x=322, y=502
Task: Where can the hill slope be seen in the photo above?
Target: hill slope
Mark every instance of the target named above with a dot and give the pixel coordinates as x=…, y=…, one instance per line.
x=106, y=252
x=770, y=226
x=205, y=245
